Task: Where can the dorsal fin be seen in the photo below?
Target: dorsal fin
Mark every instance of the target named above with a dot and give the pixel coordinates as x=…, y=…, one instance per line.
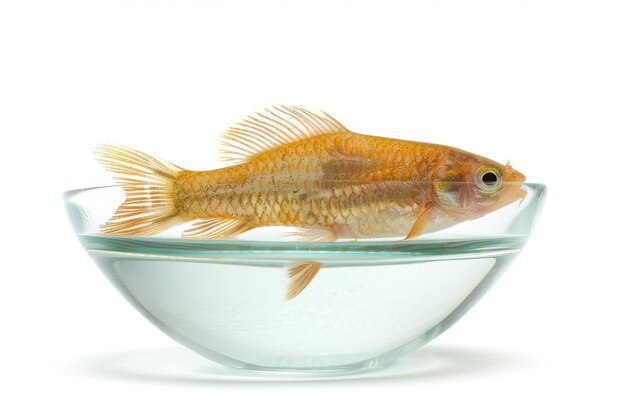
x=276, y=126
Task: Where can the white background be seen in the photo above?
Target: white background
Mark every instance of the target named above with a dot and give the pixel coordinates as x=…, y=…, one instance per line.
x=540, y=82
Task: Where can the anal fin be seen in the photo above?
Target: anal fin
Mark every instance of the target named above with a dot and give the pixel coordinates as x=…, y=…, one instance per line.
x=300, y=276
x=217, y=227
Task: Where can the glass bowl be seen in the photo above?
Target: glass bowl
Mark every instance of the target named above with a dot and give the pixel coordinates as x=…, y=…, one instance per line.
x=372, y=302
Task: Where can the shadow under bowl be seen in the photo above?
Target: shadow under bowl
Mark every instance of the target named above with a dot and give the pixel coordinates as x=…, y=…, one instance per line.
x=372, y=302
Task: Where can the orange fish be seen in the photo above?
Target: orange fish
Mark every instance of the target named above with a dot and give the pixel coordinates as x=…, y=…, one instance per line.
x=302, y=168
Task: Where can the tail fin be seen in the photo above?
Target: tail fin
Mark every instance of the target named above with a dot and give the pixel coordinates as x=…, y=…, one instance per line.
x=148, y=182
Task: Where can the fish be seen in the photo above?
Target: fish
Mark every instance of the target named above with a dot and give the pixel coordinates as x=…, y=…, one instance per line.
x=291, y=166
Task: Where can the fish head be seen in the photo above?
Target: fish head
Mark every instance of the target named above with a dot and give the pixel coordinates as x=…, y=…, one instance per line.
x=470, y=186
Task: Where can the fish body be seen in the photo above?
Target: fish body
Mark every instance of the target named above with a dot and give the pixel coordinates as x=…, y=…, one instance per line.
x=355, y=186
x=294, y=167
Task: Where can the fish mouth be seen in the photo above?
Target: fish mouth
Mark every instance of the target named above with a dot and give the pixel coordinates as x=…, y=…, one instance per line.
x=512, y=175
x=514, y=180
x=515, y=176
x=515, y=191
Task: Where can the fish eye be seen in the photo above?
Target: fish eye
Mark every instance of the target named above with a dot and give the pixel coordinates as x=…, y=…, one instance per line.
x=488, y=178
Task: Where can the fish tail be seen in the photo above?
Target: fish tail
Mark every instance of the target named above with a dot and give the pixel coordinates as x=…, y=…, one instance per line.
x=149, y=185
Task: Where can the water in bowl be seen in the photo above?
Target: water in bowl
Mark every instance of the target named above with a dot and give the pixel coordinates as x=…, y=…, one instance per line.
x=371, y=302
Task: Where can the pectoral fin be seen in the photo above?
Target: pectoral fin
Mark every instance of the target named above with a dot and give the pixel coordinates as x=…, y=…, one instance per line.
x=300, y=276
x=420, y=223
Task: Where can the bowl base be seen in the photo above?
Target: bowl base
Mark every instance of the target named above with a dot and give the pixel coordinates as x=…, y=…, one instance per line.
x=329, y=372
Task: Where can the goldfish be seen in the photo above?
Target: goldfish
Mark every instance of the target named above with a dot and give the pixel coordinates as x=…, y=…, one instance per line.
x=290, y=166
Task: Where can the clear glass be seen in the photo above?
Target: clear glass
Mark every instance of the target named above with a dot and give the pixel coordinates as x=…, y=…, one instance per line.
x=372, y=302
